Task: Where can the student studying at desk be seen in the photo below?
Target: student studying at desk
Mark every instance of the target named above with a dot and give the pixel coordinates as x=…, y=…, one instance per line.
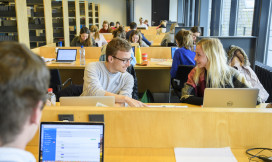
x=84, y=39
x=211, y=71
x=110, y=78
x=23, y=85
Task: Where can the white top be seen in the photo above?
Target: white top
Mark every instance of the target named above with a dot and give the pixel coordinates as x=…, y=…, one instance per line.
x=143, y=25
x=98, y=80
x=15, y=155
x=102, y=41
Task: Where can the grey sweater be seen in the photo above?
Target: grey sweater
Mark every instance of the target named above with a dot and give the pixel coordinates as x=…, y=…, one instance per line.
x=98, y=80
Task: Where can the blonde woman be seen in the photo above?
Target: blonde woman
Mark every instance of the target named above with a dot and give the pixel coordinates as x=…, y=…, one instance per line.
x=184, y=55
x=169, y=37
x=136, y=37
x=98, y=37
x=211, y=71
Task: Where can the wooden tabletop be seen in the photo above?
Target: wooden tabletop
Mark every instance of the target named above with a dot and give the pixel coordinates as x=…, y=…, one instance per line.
x=76, y=65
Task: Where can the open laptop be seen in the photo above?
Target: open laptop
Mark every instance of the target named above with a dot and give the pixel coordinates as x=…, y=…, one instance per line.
x=88, y=101
x=71, y=141
x=230, y=97
x=66, y=56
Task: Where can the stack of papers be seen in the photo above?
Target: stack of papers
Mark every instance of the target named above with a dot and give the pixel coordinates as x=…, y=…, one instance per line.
x=204, y=155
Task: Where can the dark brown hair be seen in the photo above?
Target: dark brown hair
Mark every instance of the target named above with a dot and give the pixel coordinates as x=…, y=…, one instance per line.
x=87, y=42
x=136, y=32
x=115, y=45
x=23, y=83
x=119, y=32
x=196, y=29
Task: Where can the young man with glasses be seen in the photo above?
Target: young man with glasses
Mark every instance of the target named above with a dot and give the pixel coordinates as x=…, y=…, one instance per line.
x=110, y=78
x=23, y=86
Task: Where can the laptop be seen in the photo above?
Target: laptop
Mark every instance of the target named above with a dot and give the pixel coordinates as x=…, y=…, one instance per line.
x=230, y=97
x=173, y=49
x=66, y=56
x=88, y=101
x=71, y=141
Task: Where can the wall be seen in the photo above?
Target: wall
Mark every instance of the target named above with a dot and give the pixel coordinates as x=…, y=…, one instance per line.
x=143, y=8
x=112, y=10
x=173, y=10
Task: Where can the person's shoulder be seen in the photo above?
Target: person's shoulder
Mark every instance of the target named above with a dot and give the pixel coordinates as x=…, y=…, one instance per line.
x=14, y=154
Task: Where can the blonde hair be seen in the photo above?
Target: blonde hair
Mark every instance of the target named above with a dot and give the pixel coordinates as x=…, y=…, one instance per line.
x=172, y=28
x=94, y=29
x=185, y=39
x=218, y=72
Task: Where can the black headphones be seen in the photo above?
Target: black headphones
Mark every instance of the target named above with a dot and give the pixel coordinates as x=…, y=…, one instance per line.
x=262, y=157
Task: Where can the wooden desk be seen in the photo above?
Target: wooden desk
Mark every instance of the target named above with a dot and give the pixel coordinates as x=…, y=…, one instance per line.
x=154, y=77
x=149, y=134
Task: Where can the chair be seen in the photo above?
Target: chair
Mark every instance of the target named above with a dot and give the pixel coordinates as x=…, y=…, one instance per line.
x=55, y=81
x=181, y=78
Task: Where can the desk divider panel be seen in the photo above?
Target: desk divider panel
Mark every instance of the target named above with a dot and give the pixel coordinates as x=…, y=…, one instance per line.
x=175, y=127
x=157, y=52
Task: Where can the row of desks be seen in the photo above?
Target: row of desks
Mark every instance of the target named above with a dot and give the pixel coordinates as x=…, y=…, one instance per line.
x=151, y=134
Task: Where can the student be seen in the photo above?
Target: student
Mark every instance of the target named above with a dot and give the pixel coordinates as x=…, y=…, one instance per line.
x=169, y=37
x=23, y=86
x=211, y=71
x=141, y=24
x=146, y=23
x=84, y=39
x=136, y=37
x=98, y=37
x=110, y=78
x=117, y=24
x=105, y=28
x=184, y=54
x=133, y=26
x=117, y=33
x=112, y=25
x=196, y=33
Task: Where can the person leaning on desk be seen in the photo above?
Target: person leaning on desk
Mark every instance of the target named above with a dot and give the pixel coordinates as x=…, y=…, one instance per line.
x=84, y=39
x=110, y=78
x=211, y=71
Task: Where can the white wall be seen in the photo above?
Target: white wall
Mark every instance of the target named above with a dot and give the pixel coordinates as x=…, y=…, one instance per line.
x=142, y=8
x=173, y=10
x=112, y=10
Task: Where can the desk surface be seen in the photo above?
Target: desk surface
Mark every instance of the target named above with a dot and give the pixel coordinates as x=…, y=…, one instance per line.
x=144, y=154
x=76, y=65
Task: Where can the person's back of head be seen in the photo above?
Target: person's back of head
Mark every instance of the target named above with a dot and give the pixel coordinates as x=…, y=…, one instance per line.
x=119, y=32
x=115, y=45
x=111, y=24
x=196, y=29
x=94, y=29
x=133, y=25
x=184, y=39
x=23, y=86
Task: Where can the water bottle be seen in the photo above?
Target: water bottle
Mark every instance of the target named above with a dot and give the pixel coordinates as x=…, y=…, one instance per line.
x=82, y=55
x=138, y=55
x=51, y=98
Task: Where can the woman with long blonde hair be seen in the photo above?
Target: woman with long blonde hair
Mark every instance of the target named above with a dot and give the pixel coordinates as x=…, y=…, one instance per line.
x=98, y=37
x=211, y=71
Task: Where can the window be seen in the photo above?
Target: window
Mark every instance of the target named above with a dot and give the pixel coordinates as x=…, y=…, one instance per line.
x=269, y=43
x=225, y=17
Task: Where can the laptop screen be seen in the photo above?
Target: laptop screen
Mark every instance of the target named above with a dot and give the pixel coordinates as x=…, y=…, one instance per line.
x=71, y=141
x=66, y=55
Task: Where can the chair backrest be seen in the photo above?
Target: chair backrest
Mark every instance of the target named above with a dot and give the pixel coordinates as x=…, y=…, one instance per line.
x=182, y=76
x=55, y=80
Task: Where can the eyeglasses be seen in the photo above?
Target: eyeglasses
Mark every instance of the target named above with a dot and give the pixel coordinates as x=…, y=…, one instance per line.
x=125, y=61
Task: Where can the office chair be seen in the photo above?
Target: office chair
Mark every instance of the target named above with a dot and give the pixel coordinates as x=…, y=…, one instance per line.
x=55, y=81
x=181, y=78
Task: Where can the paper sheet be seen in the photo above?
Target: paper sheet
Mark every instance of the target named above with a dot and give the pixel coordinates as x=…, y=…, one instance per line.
x=204, y=155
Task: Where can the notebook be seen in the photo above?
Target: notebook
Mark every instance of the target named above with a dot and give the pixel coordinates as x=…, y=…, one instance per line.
x=71, y=141
x=230, y=97
x=87, y=101
x=66, y=56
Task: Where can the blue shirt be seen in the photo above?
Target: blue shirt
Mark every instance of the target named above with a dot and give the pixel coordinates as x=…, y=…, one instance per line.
x=182, y=56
